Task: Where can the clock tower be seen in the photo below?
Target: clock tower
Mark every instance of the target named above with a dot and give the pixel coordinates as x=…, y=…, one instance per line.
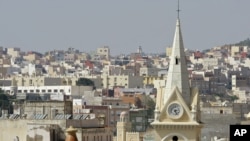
x=177, y=113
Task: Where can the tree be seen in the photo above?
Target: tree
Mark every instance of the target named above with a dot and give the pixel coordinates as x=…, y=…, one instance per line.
x=137, y=102
x=4, y=100
x=233, y=98
x=84, y=82
x=244, y=43
x=150, y=105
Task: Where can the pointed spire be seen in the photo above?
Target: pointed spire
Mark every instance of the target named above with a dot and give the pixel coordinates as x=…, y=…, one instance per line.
x=177, y=73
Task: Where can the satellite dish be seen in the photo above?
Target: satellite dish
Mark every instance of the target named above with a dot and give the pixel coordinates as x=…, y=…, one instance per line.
x=12, y=92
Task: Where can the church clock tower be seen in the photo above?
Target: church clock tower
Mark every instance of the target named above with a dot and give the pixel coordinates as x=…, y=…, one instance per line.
x=177, y=113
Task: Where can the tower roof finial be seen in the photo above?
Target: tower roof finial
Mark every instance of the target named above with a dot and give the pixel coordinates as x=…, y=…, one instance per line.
x=178, y=10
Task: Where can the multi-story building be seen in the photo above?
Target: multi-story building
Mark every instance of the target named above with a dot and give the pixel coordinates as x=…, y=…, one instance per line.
x=67, y=90
x=32, y=56
x=69, y=57
x=50, y=108
x=48, y=120
x=168, y=51
x=110, y=112
x=83, y=56
x=209, y=63
x=128, y=81
x=138, y=119
x=13, y=52
x=104, y=52
x=235, y=50
x=145, y=71
x=150, y=80
x=209, y=82
x=51, y=81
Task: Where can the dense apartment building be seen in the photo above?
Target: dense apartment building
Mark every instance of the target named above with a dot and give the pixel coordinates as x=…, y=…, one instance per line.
x=128, y=81
x=104, y=52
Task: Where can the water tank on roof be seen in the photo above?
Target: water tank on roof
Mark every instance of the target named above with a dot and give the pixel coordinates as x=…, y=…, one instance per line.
x=13, y=90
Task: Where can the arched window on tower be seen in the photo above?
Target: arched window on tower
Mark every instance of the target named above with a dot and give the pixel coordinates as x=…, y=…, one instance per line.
x=175, y=138
x=176, y=61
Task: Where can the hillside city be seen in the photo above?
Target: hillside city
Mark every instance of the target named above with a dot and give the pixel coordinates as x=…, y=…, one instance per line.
x=97, y=94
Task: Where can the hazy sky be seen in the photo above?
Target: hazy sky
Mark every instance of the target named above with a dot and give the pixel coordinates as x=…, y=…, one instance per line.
x=123, y=25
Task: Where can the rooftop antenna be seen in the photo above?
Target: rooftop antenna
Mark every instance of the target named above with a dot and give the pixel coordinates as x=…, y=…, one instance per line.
x=178, y=10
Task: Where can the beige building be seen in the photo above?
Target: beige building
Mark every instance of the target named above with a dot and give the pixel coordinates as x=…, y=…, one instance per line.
x=46, y=109
x=52, y=130
x=236, y=50
x=31, y=57
x=104, y=51
x=128, y=81
x=13, y=52
x=209, y=63
x=243, y=95
x=145, y=71
x=51, y=81
x=217, y=107
x=83, y=56
x=47, y=121
x=69, y=57
x=168, y=51
x=152, y=80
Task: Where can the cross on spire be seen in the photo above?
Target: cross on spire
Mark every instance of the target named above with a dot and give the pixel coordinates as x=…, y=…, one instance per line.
x=178, y=10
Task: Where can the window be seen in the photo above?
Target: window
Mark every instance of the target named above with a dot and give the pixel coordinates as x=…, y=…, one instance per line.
x=49, y=90
x=55, y=91
x=37, y=91
x=221, y=111
x=32, y=91
x=175, y=138
x=43, y=91
x=176, y=61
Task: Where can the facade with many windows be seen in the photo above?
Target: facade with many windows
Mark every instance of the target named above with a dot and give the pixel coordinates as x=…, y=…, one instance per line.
x=128, y=81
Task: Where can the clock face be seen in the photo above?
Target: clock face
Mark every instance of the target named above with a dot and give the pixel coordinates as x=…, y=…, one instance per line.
x=175, y=110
